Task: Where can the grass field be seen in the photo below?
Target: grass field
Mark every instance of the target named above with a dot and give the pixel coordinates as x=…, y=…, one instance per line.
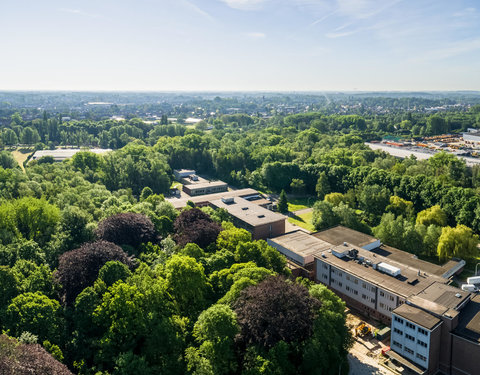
x=21, y=156
x=303, y=221
x=295, y=204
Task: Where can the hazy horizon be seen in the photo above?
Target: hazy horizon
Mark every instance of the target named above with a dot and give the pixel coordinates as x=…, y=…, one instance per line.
x=240, y=46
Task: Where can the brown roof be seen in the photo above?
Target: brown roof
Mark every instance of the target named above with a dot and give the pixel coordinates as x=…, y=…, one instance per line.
x=248, y=212
x=301, y=243
x=469, y=321
x=412, y=261
x=181, y=202
x=407, y=284
x=339, y=234
x=417, y=316
x=444, y=297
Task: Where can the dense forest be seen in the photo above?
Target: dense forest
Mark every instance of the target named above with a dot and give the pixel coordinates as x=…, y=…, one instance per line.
x=100, y=275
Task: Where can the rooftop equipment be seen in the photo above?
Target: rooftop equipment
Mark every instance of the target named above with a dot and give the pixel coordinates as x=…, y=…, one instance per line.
x=473, y=280
x=469, y=288
x=228, y=200
x=389, y=269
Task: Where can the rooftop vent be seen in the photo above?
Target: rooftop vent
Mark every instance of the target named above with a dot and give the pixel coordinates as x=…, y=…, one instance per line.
x=228, y=200
x=345, y=244
x=244, y=208
x=260, y=216
x=458, y=295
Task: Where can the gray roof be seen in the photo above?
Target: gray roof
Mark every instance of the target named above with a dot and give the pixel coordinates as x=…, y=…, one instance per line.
x=417, y=316
x=440, y=299
x=62, y=154
x=248, y=212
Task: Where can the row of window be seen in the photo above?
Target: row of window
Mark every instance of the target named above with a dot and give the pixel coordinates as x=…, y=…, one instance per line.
x=410, y=325
x=423, y=358
x=385, y=307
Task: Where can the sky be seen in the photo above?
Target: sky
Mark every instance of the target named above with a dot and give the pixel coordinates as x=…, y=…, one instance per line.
x=240, y=45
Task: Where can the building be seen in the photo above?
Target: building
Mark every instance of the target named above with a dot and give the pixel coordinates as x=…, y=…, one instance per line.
x=205, y=188
x=204, y=200
x=435, y=327
x=63, y=154
x=259, y=221
x=182, y=173
x=473, y=135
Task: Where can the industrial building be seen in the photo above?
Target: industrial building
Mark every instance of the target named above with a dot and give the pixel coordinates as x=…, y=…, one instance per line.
x=435, y=327
x=182, y=173
x=259, y=221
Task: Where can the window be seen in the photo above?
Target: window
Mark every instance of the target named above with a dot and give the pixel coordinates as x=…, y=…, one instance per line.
x=340, y=284
x=396, y=330
x=347, y=288
x=421, y=357
x=325, y=276
x=423, y=331
x=340, y=274
x=355, y=292
x=382, y=294
x=382, y=305
x=410, y=325
x=392, y=298
x=397, y=319
x=355, y=281
x=348, y=277
x=411, y=338
x=408, y=350
x=422, y=343
x=364, y=296
x=397, y=344
x=364, y=286
x=333, y=281
x=325, y=266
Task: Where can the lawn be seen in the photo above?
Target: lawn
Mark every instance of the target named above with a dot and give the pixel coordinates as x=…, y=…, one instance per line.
x=303, y=221
x=295, y=204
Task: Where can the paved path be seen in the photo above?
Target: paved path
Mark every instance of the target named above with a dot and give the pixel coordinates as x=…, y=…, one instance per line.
x=303, y=211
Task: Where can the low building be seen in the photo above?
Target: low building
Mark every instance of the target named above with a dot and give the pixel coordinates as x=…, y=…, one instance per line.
x=63, y=154
x=472, y=136
x=205, y=188
x=204, y=200
x=182, y=173
x=259, y=221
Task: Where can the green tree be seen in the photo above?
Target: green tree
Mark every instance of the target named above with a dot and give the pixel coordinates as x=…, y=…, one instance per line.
x=282, y=205
x=187, y=283
x=35, y=313
x=322, y=187
x=399, y=206
x=323, y=215
x=230, y=238
x=433, y=215
x=458, y=242
x=215, y=332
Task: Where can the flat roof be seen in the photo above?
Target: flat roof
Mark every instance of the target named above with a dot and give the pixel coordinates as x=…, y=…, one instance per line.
x=204, y=185
x=339, y=234
x=199, y=199
x=65, y=153
x=441, y=299
x=248, y=212
x=412, y=261
x=417, y=316
x=301, y=243
x=469, y=322
x=407, y=284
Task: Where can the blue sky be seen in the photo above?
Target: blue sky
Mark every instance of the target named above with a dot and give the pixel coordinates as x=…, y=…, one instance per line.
x=254, y=45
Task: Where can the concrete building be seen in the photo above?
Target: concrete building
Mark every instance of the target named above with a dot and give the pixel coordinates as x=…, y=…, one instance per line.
x=259, y=221
x=205, y=188
x=473, y=135
x=435, y=327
